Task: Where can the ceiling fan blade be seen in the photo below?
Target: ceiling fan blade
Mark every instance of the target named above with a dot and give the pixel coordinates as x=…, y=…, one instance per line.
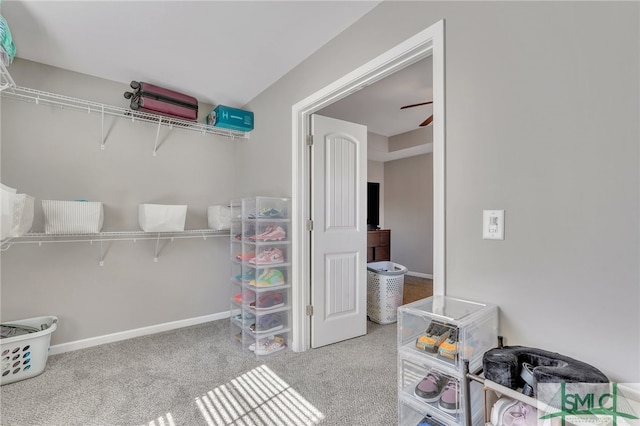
x=415, y=105
x=427, y=121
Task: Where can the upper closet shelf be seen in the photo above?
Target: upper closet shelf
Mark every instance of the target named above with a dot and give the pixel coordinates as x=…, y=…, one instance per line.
x=10, y=90
x=40, y=237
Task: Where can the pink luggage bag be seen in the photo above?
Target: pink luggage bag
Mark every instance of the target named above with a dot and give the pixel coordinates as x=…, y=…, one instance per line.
x=150, y=98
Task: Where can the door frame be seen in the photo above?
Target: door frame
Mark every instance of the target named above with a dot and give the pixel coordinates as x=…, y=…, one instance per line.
x=427, y=42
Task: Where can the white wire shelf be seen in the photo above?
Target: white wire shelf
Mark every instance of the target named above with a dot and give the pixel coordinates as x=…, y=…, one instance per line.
x=41, y=238
x=35, y=237
x=9, y=90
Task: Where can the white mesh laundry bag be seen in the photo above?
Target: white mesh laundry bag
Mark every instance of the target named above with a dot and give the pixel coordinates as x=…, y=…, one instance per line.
x=219, y=217
x=22, y=215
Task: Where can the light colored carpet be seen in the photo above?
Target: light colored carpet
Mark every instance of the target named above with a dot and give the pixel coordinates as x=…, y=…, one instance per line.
x=197, y=376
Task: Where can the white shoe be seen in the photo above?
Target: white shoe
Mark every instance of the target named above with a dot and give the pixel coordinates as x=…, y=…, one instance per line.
x=270, y=346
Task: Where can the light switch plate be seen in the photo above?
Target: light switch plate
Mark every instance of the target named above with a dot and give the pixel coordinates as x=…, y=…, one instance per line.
x=493, y=225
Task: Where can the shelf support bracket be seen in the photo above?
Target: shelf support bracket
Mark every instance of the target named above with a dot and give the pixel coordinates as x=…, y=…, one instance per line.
x=155, y=258
x=103, y=252
x=102, y=141
x=155, y=148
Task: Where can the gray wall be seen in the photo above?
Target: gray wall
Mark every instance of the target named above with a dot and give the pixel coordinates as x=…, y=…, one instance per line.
x=420, y=136
x=375, y=169
x=409, y=202
x=375, y=173
x=376, y=142
x=52, y=153
x=542, y=121
x=406, y=198
x=409, y=211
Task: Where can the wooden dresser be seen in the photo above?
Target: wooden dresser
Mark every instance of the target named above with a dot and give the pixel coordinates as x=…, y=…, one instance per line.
x=378, y=245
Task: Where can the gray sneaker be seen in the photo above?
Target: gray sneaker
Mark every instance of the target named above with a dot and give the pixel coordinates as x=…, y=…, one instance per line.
x=450, y=398
x=431, y=386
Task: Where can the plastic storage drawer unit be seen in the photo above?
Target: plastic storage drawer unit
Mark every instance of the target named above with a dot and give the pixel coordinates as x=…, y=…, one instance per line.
x=436, y=336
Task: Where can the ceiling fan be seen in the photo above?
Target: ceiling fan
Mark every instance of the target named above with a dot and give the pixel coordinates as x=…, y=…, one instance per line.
x=428, y=120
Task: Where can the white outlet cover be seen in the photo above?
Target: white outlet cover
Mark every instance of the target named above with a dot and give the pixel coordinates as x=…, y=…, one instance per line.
x=493, y=225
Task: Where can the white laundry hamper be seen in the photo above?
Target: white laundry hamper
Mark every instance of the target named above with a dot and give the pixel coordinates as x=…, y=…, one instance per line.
x=25, y=356
x=385, y=281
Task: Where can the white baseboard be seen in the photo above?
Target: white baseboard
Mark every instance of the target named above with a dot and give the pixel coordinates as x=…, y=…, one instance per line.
x=124, y=335
x=420, y=275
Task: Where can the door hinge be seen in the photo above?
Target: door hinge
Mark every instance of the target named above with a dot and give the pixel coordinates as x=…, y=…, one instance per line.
x=309, y=140
x=310, y=225
x=309, y=310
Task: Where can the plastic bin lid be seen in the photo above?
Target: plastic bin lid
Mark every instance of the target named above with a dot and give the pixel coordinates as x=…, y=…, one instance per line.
x=449, y=307
x=386, y=268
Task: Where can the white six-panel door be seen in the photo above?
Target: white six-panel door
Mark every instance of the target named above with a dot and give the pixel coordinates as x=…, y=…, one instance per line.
x=339, y=235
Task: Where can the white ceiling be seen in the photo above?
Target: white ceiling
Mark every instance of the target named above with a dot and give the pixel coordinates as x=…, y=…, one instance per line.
x=378, y=106
x=222, y=52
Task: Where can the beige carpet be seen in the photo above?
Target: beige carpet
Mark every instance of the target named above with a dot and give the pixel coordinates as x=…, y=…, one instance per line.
x=198, y=376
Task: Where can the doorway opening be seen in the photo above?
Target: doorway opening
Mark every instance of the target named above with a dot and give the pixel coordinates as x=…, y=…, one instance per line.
x=397, y=111
x=429, y=42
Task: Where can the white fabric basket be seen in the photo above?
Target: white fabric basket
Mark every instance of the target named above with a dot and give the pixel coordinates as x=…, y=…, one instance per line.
x=8, y=198
x=72, y=217
x=22, y=215
x=219, y=218
x=162, y=217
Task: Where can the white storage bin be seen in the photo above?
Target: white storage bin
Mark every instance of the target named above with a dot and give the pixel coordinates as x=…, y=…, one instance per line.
x=162, y=217
x=436, y=336
x=260, y=273
x=411, y=371
x=265, y=208
x=26, y=356
x=476, y=325
x=72, y=217
x=22, y=215
x=219, y=217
